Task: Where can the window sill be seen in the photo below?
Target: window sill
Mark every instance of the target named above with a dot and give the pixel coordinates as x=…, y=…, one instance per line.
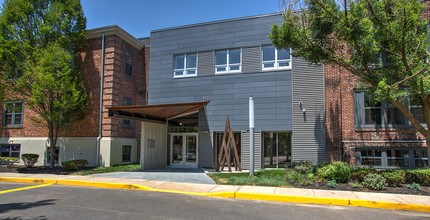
x=13, y=127
x=226, y=73
x=275, y=69
x=379, y=129
x=188, y=76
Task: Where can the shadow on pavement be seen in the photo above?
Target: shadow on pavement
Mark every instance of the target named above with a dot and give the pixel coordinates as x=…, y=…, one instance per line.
x=24, y=205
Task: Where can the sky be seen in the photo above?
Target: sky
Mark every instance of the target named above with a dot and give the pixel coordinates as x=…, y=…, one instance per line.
x=139, y=17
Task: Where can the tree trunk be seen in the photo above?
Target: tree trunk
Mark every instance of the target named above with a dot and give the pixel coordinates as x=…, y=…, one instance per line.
x=52, y=144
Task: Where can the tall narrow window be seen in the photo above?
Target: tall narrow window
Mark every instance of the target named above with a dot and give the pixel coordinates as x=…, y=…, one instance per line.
x=185, y=65
x=126, y=153
x=48, y=155
x=128, y=63
x=372, y=111
x=126, y=102
x=228, y=60
x=13, y=114
x=274, y=58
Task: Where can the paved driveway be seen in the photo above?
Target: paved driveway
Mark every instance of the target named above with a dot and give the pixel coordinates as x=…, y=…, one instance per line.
x=168, y=175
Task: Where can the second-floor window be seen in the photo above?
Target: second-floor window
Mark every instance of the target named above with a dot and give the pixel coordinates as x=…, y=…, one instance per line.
x=13, y=114
x=185, y=65
x=126, y=102
x=274, y=58
x=128, y=63
x=371, y=113
x=228, y=60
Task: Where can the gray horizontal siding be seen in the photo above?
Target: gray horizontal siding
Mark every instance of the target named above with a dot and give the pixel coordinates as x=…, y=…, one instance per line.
x=205, y=63
x=245, y=150
x=308, y=127
x=251, y=59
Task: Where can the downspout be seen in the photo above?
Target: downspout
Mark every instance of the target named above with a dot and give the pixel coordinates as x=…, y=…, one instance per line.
x=101, y=101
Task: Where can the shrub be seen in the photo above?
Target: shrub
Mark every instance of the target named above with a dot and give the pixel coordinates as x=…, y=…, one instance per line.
x=303, y=168
x=355, y=185
x=359, y=173
x=30, y=159
x=374, y=181
x=9, y=161
x=394, y=177
x=331, y=183
x=74, y=164
x=421, y=176
x=414, y=186
x=302, y=162
x=294, y=176
x=338, y=171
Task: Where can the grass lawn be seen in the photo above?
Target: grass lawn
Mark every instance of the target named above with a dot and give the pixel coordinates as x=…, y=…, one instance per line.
x=96, y=170
x=260, y=178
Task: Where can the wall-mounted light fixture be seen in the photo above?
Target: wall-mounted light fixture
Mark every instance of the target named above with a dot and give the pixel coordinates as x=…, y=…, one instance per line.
x=301, y=107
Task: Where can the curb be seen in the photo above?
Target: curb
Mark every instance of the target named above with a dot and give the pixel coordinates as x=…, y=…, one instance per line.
x=235, y=195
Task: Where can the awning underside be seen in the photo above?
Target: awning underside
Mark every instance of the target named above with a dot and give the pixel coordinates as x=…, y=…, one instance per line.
x=159, y=113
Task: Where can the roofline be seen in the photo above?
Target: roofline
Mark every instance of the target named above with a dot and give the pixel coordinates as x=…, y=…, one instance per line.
x=215, y=22
x=115, y=30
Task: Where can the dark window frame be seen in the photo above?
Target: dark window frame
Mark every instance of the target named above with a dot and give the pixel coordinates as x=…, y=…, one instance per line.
x=128, y=154
x=360, y=113
x=384, y=157
x=126, y=64
x=10, y=151
x=126, y=102
x=57, y=155
x=13, y=114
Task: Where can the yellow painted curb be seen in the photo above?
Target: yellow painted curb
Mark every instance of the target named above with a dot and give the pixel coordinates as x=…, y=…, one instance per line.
x=236, y=195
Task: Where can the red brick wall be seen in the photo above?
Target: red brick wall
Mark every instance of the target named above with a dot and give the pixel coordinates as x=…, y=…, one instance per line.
x=116, y=86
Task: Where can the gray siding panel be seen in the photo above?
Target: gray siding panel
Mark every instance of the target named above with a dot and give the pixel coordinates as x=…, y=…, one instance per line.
x=205, y=63
x=245, y=150
x=251, y=59
x=308, y=127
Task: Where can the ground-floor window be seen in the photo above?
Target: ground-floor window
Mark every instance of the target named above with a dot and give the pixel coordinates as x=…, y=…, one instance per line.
x=277, y=149
x=390, y=158
x=48, y=155
x=218, y=143
x=126, y=153
x=10, y=150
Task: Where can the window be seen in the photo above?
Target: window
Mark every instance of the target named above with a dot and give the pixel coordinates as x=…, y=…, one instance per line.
x=13, y=114
x=391, y=158
x=48, y=155
x=371, y=158
x=126, y=153
x=128, y=63
x=185, y=65
x=228, y=60
x=371, y=113
x=10, y=150
x=274, y=58
x=420, y=158
x=126, y=102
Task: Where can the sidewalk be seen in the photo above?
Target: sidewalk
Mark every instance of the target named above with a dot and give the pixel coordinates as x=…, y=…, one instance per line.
x=281, y=194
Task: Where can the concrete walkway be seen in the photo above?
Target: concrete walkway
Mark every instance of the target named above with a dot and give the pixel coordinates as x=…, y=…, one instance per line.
x=295, y=195
x=165, y=174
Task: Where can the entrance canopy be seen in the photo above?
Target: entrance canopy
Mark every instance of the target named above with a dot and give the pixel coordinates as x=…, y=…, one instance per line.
x=156, y=113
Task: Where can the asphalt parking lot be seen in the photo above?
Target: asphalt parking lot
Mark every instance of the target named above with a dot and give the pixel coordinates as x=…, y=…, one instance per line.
x=42, y=201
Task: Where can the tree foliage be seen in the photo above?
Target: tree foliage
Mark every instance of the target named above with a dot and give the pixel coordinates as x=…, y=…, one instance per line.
x=39, y=40
x=385, y=43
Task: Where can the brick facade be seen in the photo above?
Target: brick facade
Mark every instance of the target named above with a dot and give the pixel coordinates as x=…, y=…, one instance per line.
x=116, y=86
x=342, y=138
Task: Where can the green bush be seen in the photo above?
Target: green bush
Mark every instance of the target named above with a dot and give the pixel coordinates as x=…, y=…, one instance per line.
x=355, y=185
x=338, y=171
x=297, y=177
x=394, y=177
x=421, y=176
x=374, y=181
x=331, y=183
x=359, y=173
x=414, y=186
x=9, y=161
x=74, y=164
x=303, y=168
x=30, y=159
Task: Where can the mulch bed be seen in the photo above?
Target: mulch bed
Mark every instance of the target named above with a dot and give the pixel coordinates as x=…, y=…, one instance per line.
x=425, y=190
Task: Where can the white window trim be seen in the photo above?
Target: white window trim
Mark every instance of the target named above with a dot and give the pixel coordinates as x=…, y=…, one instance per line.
x=228, y=65
x=185, y=69
x=276, y=61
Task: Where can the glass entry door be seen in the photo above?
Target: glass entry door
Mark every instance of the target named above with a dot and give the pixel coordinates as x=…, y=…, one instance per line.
x=184, y=150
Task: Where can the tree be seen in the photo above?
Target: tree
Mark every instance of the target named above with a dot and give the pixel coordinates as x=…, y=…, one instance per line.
x=39, y=40
x=384, y=43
